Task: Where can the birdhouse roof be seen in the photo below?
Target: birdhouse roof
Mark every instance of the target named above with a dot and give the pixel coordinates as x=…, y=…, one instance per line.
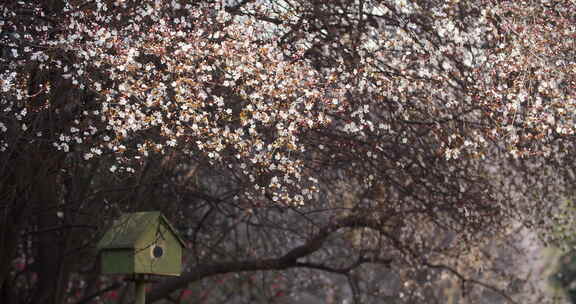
x=130, y=227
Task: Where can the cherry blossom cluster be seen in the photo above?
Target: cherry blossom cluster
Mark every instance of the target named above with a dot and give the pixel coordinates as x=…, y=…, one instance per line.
x=172, y=76
x=203, y=83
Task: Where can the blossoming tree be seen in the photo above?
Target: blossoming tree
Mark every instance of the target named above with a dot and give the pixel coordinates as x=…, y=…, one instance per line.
x=342, y=128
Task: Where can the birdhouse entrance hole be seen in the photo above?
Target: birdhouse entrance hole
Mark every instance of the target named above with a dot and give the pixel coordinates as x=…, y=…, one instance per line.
x=157, y=252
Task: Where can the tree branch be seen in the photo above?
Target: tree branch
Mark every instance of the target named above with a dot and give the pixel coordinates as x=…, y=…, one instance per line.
x=288, y=260
x=470, y=280
x=98, y=293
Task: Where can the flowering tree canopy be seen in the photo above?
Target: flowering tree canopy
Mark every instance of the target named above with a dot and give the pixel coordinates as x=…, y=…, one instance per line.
x=397, y=116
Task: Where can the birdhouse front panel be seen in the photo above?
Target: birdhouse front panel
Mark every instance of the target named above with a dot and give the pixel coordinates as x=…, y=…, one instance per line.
x=159, y=252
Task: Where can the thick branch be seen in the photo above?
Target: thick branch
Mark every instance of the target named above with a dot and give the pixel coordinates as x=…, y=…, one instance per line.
x=288, y=260
x=346, y=270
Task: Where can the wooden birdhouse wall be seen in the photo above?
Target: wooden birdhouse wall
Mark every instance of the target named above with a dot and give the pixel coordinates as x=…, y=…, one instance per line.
x=158, y=252
x=118, y=261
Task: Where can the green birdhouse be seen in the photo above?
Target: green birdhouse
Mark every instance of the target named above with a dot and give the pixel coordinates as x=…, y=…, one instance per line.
x=142, y=243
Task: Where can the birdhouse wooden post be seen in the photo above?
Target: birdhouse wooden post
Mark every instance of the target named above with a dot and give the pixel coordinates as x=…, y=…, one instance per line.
x=141, y=244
